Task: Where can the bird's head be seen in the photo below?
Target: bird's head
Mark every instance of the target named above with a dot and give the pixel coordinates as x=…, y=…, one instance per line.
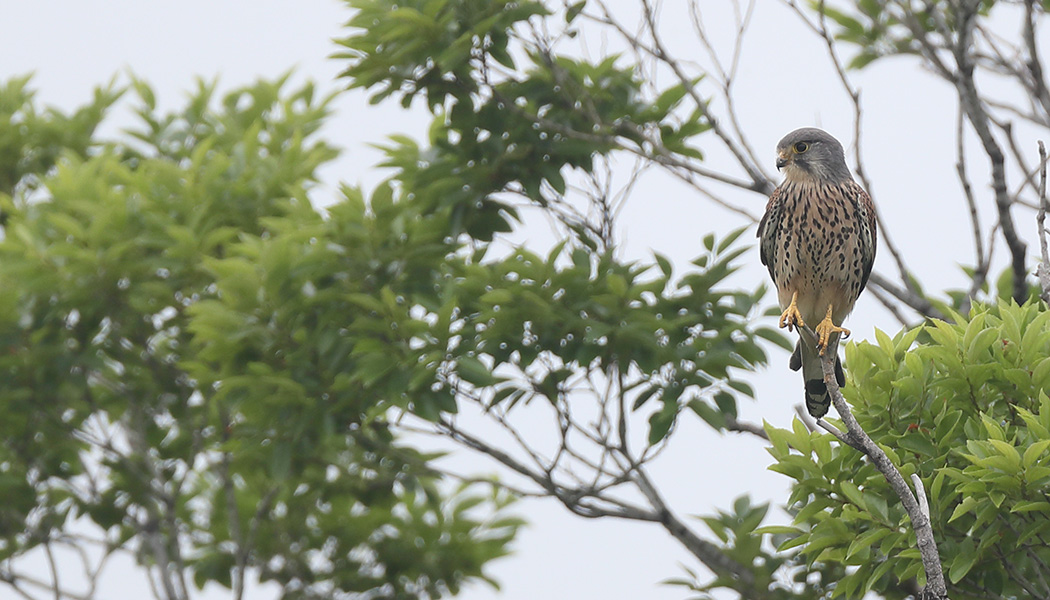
x=812, y=155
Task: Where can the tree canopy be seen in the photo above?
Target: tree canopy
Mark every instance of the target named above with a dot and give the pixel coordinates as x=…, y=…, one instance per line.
x=224, y=380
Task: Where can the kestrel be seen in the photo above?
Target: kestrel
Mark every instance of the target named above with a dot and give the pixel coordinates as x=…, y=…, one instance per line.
x=818, y=241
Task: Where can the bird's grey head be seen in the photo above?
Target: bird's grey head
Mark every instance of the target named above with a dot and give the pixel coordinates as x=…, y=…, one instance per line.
x=810, y=154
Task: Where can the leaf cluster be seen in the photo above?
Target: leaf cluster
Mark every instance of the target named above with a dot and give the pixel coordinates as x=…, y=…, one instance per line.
x=32, y=139
x=510, y=115
x=879, y=29
x=964, y=406
x=134, y=399
x=531, y=327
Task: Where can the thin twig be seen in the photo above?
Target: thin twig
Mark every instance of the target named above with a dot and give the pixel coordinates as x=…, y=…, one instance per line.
x=890, y=305
x=53, y=568
x=732, y=424
x=828, y=427
x=13, y=579
x=805, y=417
x=981, y=261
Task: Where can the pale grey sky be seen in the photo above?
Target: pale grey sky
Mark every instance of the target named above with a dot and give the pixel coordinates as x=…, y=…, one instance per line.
x=785, y=83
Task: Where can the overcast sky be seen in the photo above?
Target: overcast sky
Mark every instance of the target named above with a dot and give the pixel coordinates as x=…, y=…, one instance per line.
x=785, y=83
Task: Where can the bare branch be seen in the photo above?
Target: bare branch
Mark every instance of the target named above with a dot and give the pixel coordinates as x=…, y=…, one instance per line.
x=758, y=180
x=728, y=76
x=805, y=417
x=12, y=580
x=930, y=52
x=1043, y=271
x=574, y=499
x=159, y=513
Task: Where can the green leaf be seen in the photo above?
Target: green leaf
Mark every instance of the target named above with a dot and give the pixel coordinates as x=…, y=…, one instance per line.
x=474, y=371
x=726, y=403
x=775, y=336
x=668, y=99
x=777, y=530
x=919, y=444
x=574, y=11
x=1035, y=452
x=714, y=418
x=665, y=265
x=964, y=507
x=963, y=561
x=1031, y=506
x=661, y=421
x=866, y=540
x=853, y=494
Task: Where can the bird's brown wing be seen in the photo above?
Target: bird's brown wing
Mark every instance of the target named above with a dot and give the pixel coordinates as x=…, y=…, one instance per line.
x=767, y=230
x=867, y=228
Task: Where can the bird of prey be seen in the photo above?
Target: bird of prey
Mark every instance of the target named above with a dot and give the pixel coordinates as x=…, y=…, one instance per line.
x=818, y=241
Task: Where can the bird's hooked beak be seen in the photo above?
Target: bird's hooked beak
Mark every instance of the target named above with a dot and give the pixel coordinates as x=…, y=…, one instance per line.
x=783, y=158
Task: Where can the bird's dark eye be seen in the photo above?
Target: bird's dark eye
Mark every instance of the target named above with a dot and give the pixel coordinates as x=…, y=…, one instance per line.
x=801, y=147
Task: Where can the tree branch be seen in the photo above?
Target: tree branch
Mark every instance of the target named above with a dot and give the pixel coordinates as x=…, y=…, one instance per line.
x=981, y=262
x=971, y=102
x=918, y=303
x=1043, y=270
x=1036, y=83
x=708, y=553
x=733, y=424
x=14, y=579
x=571, y=498
x=917, y=509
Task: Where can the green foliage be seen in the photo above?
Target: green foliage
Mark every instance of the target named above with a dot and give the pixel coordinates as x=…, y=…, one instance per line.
x=205, y=367
x=409, y=319
x=394, y=47
x=965, y=407
x=538, y=323
x=31, y=139
x=1001, y=286
x=135, y=399
x=734, y=534
x=500, y=126
x=513, y=119
x=880, y=29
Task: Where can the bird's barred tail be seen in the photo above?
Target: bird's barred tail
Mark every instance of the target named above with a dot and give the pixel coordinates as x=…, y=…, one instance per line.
x=818, y=400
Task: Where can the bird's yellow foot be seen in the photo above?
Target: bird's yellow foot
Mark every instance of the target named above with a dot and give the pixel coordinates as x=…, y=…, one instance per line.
x=791, y=317
x=825, y=329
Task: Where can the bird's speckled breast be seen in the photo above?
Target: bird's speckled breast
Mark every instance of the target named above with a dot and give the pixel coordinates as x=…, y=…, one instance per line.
x=817, y=249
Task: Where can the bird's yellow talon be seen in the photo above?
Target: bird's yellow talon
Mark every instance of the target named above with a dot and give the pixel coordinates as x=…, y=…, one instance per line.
x=825, y=329
x=791, y=317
